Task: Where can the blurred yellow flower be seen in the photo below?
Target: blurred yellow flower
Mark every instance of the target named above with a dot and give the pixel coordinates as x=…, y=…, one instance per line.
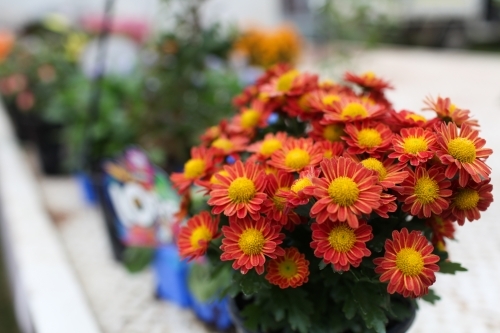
x=265, y=48
x=74, y=45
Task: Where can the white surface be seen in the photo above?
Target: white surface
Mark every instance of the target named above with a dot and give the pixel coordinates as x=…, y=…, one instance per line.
x=122, y=302
x=43, y=275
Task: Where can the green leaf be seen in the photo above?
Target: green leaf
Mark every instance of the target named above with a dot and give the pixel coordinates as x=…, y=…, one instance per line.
x=252, y=314
x=136, y=259
x=349, y=308
x=251, y=282
x=322, y=265
x=431, y=297
x=448, y=267
x=369, y=299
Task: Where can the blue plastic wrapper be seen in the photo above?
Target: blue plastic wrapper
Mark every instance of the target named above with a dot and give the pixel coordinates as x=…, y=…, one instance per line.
x=171, y=276
x=87, y=188
x=213, y=312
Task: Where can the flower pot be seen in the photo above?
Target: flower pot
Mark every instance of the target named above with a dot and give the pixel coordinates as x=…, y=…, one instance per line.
x=235, y=306
x=171, y=276
x=213, y=312
x=50, y=148
x=87, y=189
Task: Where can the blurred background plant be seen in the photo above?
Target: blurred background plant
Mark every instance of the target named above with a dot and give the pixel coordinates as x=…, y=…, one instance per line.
x=190, y=84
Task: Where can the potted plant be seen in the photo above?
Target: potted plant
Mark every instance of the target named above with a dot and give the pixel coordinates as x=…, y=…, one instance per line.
x=331, y=209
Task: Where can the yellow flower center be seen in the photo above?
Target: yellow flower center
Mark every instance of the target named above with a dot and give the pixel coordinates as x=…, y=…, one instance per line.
x=374, y=164
x=344, y=191
x=214, y=179
x=369, y=75
x=241, y=190
x=369, y=138
x=194, y=168
x=414, y=145
x=250, y=118
x=466, y=199
x=333, y=133
x=223, y=144
x=452, y=108
x=353, y=110
x=269, y=146
x=297, y=159
x=251, y=241
x=279, y=202
x=342, y=238
x=270, y=170
x=300, y=184
x=329, y=99
x=263, y=96
x=201, y=233
x=304, y=102
x=287, y=268
x=285, y=81
x=409, y=262
x=462, y=149
x=415, y=117
x=426, y=190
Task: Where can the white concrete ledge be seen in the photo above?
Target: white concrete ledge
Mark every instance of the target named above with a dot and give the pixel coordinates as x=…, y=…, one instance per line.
x=47, y=293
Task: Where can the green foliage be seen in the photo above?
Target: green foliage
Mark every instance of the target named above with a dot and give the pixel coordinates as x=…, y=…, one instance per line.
x=448, y=267
x=136, y=259
x=431, y=297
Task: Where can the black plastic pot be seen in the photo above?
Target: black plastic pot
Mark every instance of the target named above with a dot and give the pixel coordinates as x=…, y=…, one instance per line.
x=50, y=147
x=235, y=306
x=24, y=123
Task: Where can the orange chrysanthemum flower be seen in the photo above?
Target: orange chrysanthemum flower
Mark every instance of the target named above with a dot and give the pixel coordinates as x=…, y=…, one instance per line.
x=202, y=160
x=340, y=245
x=225, y=145
x=291, y=83
x=346, y=191
x=275, y=207
x=323, y=99
x=302, y=188
x=290, y=270
x=441, y=228
x=405, y=118
x=350, y=109
x=390, y=174
x=300, y=106
x=414, y=145
x=387, y=205
x=368, y=80
x=295, y=155
x=367, y=137
x=248, y=242
x=408, y=264
x=448, y=111
x=266, y=147
x=332, y=132
x=207, y=184
x=196, y=234
x=468, y=201
x=330, y=149
x=426, y=192
x=463, y=153
x=249, y=119
x=241, y=192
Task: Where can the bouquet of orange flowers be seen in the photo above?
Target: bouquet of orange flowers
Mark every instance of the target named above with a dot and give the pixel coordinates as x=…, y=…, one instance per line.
x=331, y=208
